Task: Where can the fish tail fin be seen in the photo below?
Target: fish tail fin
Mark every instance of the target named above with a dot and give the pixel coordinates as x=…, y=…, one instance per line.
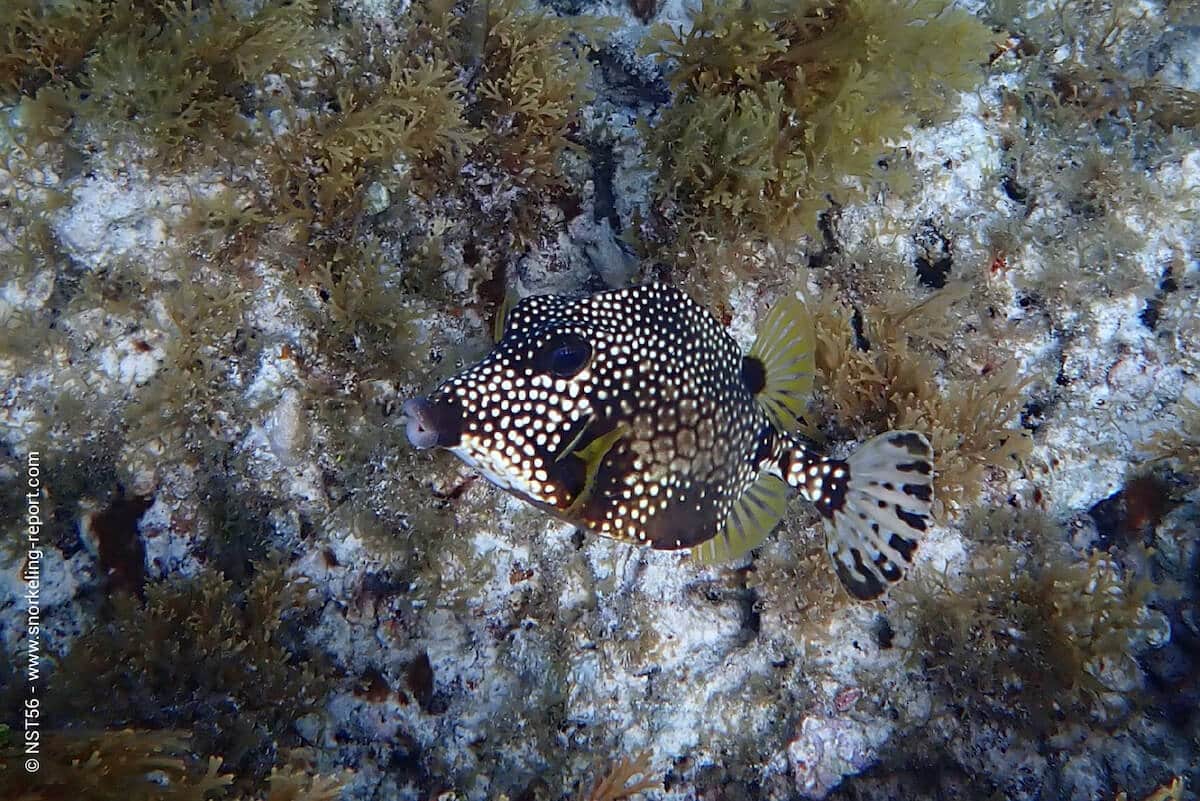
x=779, y=366
x=877, y=506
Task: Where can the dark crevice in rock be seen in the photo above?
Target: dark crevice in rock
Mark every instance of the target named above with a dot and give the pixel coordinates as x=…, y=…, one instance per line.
x=122, y=553
x=1130, y=514
x=934, y=260
x=1150, y=314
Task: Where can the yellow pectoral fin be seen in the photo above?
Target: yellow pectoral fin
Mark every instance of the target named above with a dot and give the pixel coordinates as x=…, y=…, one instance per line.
x=785, y=347
x=572, y=446
x=506, y=306
x=592, y=455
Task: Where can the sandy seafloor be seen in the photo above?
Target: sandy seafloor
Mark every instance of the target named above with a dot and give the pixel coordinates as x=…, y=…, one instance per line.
x=508, y=657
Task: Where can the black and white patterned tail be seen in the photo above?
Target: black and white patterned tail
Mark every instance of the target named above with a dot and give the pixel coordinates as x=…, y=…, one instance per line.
x=877, y=507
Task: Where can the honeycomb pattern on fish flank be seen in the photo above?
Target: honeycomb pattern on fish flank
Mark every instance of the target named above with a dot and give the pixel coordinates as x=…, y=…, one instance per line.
x=693, y=426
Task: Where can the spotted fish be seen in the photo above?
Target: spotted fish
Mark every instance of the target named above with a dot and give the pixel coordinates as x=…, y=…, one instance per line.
x=634, y=414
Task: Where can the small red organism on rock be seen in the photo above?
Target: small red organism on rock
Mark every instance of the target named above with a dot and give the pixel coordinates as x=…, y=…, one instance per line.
x=846, y=698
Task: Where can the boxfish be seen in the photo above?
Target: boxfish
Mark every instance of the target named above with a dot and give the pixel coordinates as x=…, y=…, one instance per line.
x=634, y=414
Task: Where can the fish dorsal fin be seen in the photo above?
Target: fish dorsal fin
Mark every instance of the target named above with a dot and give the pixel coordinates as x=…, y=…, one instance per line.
x=779, y=367
x=506, y=306
x=878, y=505
x=754, y=515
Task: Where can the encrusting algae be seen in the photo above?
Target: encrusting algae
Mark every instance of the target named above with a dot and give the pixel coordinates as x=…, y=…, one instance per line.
x=634, y=414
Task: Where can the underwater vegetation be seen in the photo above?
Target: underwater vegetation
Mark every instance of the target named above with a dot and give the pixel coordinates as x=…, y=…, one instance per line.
x=1030, y=642
x=407, y=124
x=878, y=374
x=531, y=91
x=1096, y=128
x=46, y=42
x=1037, y=638
x=237, y=235
x=782, y=109
x=320, y=169
x=200, y=656
x=621, y=782
x=1180, y=446
x=135, y=765
x=1029, y=651
x=163, y=75
x=171, y=75
x=1171, y=791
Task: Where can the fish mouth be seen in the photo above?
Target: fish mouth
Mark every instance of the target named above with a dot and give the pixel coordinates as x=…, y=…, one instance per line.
x=432, y=424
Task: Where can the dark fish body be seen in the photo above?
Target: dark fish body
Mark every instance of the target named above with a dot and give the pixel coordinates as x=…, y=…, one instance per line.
x=635, y=415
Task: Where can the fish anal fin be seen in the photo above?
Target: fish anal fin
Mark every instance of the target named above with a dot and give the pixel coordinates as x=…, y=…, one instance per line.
x=882, y=512
x=754, y=515
x=780, y=364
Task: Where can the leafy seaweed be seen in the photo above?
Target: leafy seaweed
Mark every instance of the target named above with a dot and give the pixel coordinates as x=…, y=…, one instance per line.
x=781, y=107
x=119, y=765
x=42, y=42
x=196, y=654
x=531, y=90
x=319, y=169
x=1181, y=445
x=882, y=377
x=141, y=765
x=1035, y=637
x=167, y=75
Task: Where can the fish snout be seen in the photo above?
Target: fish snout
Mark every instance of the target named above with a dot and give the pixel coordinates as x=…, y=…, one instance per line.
x=432, y=423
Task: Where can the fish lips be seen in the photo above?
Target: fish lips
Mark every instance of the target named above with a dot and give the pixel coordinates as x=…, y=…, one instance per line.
x=436, y=423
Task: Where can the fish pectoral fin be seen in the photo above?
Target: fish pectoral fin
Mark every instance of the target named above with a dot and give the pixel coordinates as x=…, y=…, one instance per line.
x=754, y=515
x=781, y=363
x=572, y=447
x=506, y=306
x=592, y=455
x=884, y=510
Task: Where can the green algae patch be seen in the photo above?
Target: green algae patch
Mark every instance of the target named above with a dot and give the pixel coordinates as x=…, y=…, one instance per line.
x=782, y=108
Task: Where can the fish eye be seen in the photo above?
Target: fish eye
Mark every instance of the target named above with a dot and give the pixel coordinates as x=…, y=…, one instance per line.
x=565, y=355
